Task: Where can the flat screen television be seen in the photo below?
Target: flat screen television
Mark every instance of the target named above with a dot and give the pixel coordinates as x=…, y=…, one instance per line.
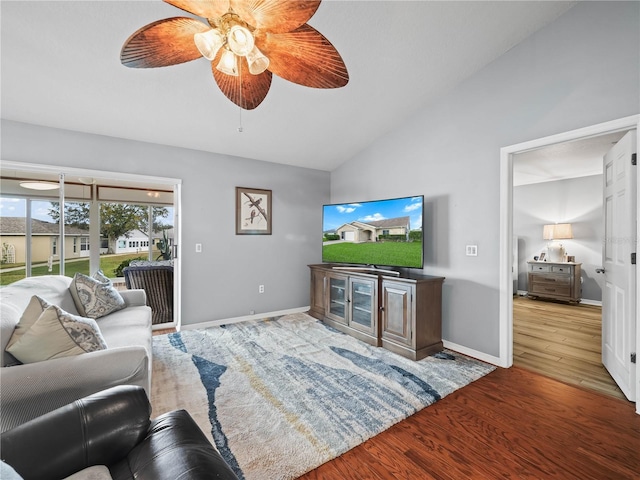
x=385, y=233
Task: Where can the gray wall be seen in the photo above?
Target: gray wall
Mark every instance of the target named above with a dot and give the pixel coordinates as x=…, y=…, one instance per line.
x=581, y=70
x=222, y=281
x=577, y=201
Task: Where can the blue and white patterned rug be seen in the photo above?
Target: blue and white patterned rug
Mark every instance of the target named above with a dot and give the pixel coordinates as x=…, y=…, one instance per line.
x=281, y=396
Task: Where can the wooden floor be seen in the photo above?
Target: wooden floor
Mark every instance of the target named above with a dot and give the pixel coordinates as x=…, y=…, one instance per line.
x=563, y=342
x=512, y=423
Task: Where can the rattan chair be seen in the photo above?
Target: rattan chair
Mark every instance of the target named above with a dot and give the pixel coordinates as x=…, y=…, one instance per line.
x=157, y=282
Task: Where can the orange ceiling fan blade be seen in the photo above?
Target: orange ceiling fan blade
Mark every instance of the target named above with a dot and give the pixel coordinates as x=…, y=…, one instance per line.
x=246, y=90
x=305, y=57
x=162, y=43
x=202, y=8
x=276, y=16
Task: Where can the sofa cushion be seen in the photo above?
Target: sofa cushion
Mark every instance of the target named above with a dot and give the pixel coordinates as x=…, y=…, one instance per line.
x=56, y=334
x=127, y=327
x=95, y=296
x=8, y=473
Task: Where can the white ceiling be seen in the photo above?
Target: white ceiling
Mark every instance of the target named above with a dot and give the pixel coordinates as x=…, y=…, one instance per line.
x=61, y=68
x=579, y=158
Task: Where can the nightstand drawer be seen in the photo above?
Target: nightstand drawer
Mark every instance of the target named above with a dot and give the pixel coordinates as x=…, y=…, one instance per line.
x=561, y=269
x=551, y=279
x=544, y=288
x=539, y=268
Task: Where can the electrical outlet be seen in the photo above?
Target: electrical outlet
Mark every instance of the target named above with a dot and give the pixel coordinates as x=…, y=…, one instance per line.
x=472, y=250
x=198, y=248
x=261, y=289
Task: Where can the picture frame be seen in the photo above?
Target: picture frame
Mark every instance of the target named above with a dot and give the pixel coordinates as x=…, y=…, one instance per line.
x=253, y=211
x=542, y=259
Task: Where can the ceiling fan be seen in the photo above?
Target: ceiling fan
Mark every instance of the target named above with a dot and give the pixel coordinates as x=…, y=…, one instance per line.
x=246, y=41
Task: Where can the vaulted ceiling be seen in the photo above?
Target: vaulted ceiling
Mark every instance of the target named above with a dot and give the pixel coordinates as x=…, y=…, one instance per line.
x=61, y=68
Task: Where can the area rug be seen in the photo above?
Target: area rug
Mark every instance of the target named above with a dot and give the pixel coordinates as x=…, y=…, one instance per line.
x=281, y=396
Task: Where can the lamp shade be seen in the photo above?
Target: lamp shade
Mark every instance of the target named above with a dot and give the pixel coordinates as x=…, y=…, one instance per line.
x=208, y=43
x=228, y=63
x=558, y=231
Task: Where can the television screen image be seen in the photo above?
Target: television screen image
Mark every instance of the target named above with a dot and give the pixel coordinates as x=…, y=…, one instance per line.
x=378, y=233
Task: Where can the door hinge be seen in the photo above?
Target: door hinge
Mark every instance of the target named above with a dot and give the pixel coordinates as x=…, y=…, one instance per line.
x=634, y=159
x=633, y=258
x=633, y=357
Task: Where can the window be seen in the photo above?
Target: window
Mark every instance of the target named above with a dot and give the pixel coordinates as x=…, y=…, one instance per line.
x=54, y=246
x=84, y=244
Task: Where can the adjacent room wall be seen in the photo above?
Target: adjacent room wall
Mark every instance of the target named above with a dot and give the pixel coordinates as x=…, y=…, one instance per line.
x=581, y=70
x=577, y=201
x=222, y=281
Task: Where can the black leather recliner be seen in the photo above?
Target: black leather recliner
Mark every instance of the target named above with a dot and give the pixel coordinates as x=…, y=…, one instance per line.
x=113, y=428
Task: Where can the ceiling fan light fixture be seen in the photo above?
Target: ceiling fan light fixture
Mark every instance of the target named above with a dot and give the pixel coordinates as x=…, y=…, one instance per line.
x=288, y=46
x=228, y=63
x=240, y=40
x=209, y=43
x=258, y=63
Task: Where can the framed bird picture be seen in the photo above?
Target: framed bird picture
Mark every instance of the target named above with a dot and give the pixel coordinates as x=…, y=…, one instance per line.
x=253, y=211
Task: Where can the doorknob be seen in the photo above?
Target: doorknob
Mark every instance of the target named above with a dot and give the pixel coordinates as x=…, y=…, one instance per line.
x=599, y=270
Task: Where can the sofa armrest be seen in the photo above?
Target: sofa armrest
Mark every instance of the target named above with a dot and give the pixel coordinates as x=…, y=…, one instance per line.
x=99, y=429
x=134, y=298
x=28, y=391
x=175, y=447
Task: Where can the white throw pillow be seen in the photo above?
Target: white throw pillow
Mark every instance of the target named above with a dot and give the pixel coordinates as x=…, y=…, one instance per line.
x=36, y=306
x=95, y=296
x=57, y=334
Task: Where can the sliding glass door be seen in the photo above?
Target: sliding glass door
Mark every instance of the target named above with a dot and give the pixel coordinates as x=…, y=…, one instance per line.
x=106, y=223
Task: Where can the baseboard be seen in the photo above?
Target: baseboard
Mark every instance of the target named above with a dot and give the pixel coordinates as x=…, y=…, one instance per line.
x=163, y=326
x=595, y=303
x=585, y=301
x=472, y=353
x=258, y=316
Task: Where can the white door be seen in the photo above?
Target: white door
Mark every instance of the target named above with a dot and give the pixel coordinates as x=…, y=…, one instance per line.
x=618, y=313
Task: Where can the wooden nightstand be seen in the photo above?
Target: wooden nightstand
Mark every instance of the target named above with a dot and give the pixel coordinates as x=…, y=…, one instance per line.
x=557, y=281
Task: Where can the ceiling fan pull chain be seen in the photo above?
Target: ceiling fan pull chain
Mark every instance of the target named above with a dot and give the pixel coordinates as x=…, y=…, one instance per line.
x=240, y=91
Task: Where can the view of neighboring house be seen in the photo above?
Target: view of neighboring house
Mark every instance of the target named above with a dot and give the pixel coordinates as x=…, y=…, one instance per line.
x=358, y=232
x=137, y=241
x=44, y=240
x=45, y=237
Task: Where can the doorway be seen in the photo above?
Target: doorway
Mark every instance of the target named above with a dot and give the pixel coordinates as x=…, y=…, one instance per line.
x=561, y=184
x=506, y=222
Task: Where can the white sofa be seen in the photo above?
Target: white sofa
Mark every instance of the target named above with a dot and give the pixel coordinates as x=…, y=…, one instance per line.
x=30, y=390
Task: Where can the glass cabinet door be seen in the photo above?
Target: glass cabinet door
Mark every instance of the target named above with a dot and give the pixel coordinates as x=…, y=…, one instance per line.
x=363, y=304
x=337, y=298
